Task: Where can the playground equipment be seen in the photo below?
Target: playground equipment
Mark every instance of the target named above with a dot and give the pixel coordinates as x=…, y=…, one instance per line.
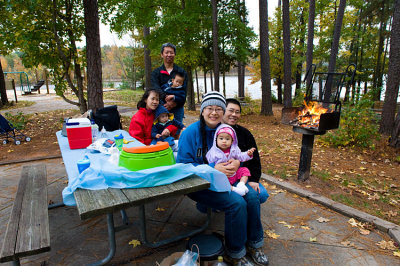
x=25, y=87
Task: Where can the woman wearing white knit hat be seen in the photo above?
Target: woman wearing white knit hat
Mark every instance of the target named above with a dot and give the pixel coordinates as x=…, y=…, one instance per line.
x=243, y=228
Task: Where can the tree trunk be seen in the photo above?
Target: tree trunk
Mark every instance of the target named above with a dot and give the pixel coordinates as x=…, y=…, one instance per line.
x=377, y=77
x=197, y=86
x=93, y=55
x=279, y=90
x=215, y=43
x=395, y=137
x=334, y=49
x=205, y=80
x=393, y=79
x=211, y=80
x=46, y=78
x=3, y=92
x=147, y=59
x=240, y=80
x=190, y=97
x=266, y=98
x=287, y=62
x=223, y=84
x=310, y=38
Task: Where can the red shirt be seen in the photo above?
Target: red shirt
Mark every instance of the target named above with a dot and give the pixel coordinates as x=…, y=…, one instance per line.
x=141, y=123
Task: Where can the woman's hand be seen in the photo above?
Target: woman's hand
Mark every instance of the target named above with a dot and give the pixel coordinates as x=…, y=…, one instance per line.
x=229, y=168
x=255, y=186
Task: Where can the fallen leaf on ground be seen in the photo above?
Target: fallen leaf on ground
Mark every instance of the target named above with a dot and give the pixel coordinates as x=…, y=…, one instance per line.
x=305, y=227
x=160, y=209
x=10, y=150
x=353, y=222
x=386, y=245
x=65, y=182
x=374, y=197
x=396, y=253
x=308, y=186
x=288, y=226
x=271, y=234
x=364, y=231
x=282, y=222
x=323, y=220
x=347, y=243
x=313, y=239
x=391, y=213
x=134, y=243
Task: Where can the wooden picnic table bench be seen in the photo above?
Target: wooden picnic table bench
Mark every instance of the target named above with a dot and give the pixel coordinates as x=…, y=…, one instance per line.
x=28, y=228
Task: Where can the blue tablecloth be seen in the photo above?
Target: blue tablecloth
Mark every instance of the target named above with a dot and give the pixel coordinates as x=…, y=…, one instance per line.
x=102, y=175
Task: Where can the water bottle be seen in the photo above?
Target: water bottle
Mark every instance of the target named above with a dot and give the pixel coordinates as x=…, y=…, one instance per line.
x=95, y=130
x=220, y=262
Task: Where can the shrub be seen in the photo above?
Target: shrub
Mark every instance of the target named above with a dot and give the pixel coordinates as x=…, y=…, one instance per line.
x=358, y=126
x=19, y=120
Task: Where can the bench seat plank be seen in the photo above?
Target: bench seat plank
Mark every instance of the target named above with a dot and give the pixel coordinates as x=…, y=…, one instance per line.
x=91, y=203
x=98, y=202
x=28, y=228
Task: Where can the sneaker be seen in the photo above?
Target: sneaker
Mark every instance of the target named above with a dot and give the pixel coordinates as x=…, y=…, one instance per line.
x=243, y=261
x=258, y=256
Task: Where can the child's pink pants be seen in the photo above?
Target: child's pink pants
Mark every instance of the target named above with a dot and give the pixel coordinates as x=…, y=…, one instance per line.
x=242, y=171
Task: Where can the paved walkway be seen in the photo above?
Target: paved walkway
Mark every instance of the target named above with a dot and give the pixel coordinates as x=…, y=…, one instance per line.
x=293, y=234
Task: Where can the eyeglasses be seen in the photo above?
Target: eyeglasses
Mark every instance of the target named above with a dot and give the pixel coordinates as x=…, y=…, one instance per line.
x=217, y=110
x=237, y=112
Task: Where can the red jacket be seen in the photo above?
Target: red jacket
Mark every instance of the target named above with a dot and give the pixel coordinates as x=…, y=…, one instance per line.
x=141, y=124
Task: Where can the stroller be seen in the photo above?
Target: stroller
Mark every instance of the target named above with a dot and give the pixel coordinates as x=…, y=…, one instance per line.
x=7, y=130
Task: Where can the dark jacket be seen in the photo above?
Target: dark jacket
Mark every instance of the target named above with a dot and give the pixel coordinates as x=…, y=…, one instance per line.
x=160, y=76
x=246, y=141
x=173, y=125
x=178, y=92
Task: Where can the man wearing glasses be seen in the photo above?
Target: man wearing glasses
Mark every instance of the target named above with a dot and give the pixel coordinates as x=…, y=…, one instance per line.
x=163, y=74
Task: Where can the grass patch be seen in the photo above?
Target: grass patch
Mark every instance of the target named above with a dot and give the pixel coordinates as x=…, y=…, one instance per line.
x=19, y=104
x=321, y=175
x=343, y=199
x=127, y=97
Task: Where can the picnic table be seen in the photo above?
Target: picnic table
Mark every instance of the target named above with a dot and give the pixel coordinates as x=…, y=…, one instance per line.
x=93, y=203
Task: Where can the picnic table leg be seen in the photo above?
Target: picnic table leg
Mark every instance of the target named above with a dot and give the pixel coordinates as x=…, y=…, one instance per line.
x=124, y=217
x=16, y=262
x=111, y=241
x=143, y=233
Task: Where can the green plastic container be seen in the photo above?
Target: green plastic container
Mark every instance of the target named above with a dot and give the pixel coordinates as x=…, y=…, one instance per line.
x=140, y=161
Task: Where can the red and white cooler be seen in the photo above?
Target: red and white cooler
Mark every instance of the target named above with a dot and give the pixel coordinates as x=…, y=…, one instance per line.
x=79, y=132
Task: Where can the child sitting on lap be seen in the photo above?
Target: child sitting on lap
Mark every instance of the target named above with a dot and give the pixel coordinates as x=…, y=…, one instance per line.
x=225, y=148
x=160, y=132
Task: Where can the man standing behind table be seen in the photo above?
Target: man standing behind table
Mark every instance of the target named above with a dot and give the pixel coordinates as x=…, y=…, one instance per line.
x=163, y=74
x=245, y=142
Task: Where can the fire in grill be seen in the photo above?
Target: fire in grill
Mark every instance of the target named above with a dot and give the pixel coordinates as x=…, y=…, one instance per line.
x=320, y=111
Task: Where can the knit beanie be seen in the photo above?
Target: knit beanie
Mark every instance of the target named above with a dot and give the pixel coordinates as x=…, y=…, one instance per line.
x=213, y=98
x=226, y=130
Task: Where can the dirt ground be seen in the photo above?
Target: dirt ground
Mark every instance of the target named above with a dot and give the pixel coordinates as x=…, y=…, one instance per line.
x=368, y=180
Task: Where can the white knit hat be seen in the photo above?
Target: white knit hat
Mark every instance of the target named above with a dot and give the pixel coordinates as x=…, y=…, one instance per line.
x=213, y=98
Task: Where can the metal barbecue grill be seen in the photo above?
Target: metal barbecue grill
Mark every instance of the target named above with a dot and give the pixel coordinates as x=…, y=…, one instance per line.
x=320, y=112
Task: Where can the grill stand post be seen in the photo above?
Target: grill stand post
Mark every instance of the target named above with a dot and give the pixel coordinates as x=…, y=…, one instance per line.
x=307, y=144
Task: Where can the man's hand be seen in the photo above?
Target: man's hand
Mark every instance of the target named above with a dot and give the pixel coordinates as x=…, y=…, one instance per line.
x=255, y=186
x=158, y=136
x=169, y=103
x=165, y=133
x=229, y=168
x=251, y=151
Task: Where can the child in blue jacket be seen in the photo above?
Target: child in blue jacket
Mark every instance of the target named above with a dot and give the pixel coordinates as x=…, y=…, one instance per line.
x=160, y=132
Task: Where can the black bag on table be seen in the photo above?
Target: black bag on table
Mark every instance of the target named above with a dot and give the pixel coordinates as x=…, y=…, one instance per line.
x=108, y=117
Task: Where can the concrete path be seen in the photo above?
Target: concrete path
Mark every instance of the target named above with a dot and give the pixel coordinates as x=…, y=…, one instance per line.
x=300, y=238
x=293, y=235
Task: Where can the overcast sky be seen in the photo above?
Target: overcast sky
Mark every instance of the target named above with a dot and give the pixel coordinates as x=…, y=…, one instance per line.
x=108, y=38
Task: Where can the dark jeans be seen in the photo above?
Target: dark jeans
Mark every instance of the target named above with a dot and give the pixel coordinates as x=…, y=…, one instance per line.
x=242, y=218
